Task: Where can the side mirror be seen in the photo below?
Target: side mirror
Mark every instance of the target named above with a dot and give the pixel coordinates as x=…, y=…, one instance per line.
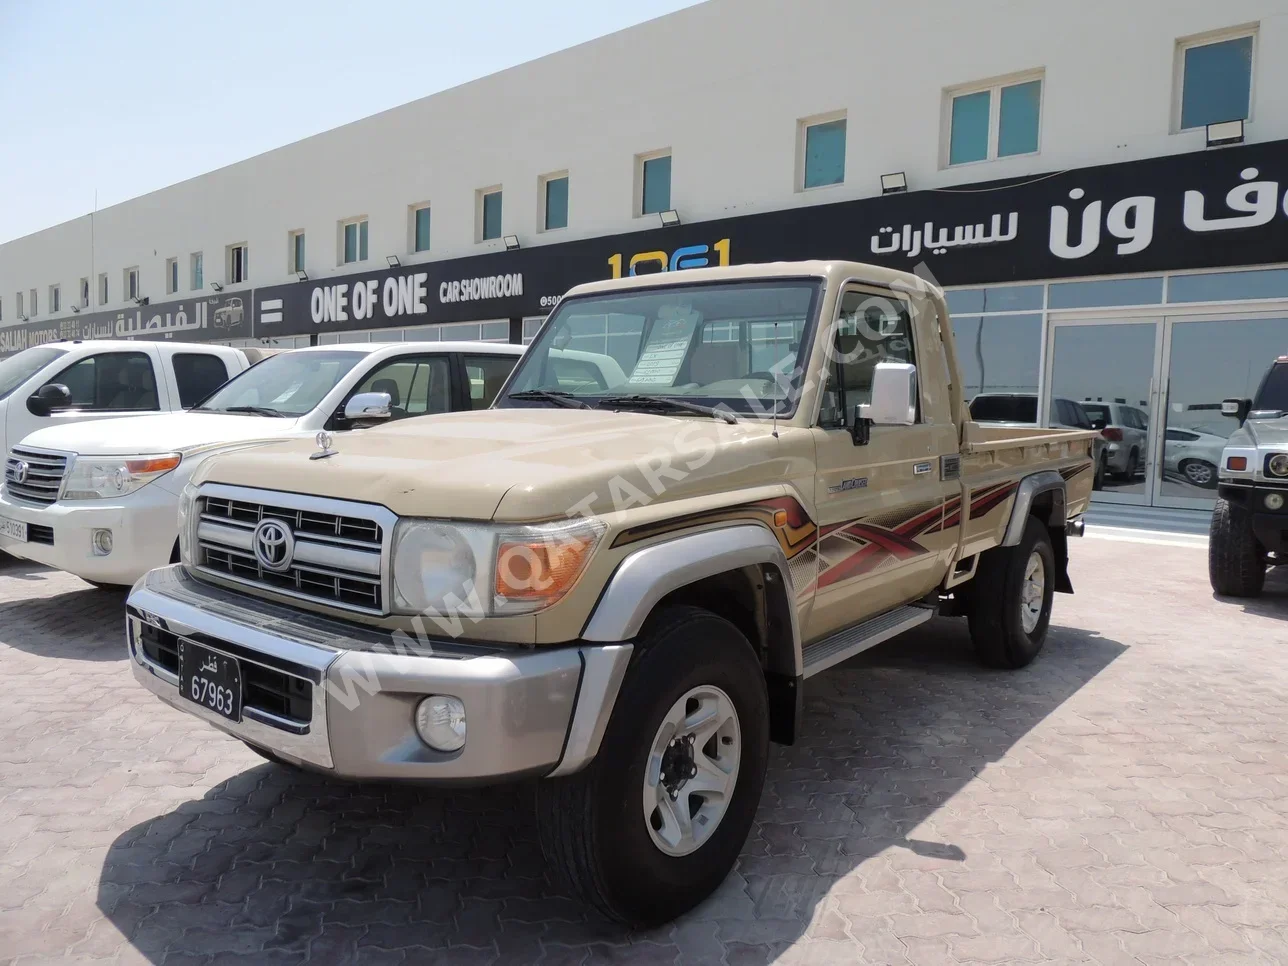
x=1236, y=408
x=48, y=398
x=368, y=408
x=894, y=400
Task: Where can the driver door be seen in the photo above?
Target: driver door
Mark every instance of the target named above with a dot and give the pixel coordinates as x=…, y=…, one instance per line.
x=887, y=523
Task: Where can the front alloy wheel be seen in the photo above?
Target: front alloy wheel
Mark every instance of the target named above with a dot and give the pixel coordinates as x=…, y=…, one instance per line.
x=692, y=770
x=1033, y=592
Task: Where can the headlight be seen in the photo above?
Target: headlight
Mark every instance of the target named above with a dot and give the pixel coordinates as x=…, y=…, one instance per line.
x=1277, y=465
x=95, y=478
x=187, y=522
x=472, y=570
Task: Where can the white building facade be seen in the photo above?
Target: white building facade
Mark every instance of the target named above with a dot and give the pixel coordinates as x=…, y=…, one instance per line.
x=1102, y=186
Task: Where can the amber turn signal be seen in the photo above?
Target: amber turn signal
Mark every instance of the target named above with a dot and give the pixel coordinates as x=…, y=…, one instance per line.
x=541, y=570
x=161, y=464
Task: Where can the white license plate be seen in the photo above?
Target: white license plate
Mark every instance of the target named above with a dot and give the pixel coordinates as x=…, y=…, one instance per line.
x=13, y=528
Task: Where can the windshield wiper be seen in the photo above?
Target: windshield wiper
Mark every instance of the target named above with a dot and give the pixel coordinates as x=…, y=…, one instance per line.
x=254, y=410
x=666, y=402
x=558, y=397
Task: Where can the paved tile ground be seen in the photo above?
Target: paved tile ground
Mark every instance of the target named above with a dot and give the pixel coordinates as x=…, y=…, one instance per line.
x=1123, y=800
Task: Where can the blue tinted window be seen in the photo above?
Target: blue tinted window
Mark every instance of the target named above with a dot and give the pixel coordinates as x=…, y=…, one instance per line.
x=1123, y=291
x=362, y=242
x=657, y=185
x=1021, y=107
x=556, y=203
x=1218, y=82
x=824, y=154
x=969, y=138
x=350, y=243
x=492, y=215
x=298, y=253
x=1012, y=298
x=1226, y=286
x=999, y=354
x=422, y=229
x=969, y=300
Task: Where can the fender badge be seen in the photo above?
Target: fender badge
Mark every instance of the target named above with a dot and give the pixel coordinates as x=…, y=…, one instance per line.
x=922, y=468
x=323, y=439
x=856, y=484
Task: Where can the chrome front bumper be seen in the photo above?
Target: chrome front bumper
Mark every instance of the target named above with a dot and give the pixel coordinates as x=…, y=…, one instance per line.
x=528, y=711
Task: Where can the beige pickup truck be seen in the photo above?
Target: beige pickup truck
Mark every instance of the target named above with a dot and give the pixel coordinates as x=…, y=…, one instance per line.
x=695, y=491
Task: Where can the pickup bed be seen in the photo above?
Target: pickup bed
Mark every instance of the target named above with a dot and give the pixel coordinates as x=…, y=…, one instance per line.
x=619, y=585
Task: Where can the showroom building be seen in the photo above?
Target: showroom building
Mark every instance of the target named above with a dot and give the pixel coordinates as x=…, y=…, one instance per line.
x=1102, y=187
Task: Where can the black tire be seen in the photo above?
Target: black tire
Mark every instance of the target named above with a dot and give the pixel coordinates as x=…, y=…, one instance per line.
x=268, y=755
x=1236, y=566
x=1102, y=471
x=592, y=824
x=996, y=626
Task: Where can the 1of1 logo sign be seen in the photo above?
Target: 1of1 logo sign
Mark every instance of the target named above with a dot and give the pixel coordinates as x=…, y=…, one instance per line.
x=651, y=263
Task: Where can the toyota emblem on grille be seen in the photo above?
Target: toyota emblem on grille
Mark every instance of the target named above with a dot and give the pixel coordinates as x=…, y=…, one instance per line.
x=18, y=471
x=274, y=545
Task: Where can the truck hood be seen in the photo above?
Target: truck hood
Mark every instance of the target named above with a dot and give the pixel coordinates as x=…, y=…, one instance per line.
x=1263, y=434
x=523, y=464
x=160, y=433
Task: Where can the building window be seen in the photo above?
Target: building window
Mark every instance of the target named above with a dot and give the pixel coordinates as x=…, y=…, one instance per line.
x=84, y=293
x=55, y=298
x=295, y=251
x=997, y=121
x=171, y=276
x=237, y=268
x=1, y=310
x=420, y=228
x=1215, y=73
x=17, y=299
x=195, y=270
x=130, y=282
x=821, y=151
x=489, y=213
x=554, y=201
x=35, y=306
x=654, y=176
x=102, y=288
x=353, y=241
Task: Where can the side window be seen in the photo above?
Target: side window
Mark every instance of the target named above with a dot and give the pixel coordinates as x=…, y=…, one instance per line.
x=1080, y=417
x=1180, y=436
x=198, y=375
x=485, y=375
x=416, y=385
x=111, y=381
x=1060, y=413
x=871, y=328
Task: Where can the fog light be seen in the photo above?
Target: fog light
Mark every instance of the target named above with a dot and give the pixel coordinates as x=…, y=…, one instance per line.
x=440, y=722
x=1274, y=501
x=101, y=541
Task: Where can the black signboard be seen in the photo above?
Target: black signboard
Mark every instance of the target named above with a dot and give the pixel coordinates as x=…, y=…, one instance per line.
x=199, y=318
x=1217, y=208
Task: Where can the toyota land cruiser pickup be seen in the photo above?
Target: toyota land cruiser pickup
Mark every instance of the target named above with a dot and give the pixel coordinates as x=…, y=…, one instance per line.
x=1249, y=530
x=619, y=578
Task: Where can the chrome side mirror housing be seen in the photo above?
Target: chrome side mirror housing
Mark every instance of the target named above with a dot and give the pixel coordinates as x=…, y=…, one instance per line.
x=894, y=400
x=368, y=408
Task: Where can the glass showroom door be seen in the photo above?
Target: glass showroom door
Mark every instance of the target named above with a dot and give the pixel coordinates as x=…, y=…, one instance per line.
x=1105, y=375
x=1206, y=360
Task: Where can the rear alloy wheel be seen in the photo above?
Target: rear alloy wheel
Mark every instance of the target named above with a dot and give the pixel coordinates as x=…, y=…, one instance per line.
x=1011, y=597
x=1199, y=473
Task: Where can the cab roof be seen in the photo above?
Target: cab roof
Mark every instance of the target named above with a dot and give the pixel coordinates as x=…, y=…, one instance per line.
x=833, y=271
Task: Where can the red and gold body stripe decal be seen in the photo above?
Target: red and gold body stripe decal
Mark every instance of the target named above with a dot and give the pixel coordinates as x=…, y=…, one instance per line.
x=784, y=516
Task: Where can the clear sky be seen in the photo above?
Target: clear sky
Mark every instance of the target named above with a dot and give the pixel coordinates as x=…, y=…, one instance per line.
x=129, y=96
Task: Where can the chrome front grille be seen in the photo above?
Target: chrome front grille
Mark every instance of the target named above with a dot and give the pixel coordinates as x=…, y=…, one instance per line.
x=34, y=476
x=338, y=553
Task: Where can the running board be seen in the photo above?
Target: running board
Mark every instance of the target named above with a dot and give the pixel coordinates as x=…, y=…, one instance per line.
x=855, y=640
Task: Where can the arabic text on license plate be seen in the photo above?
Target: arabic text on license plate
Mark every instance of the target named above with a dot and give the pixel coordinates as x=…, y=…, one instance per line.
x=210, y=679
x=13, y=528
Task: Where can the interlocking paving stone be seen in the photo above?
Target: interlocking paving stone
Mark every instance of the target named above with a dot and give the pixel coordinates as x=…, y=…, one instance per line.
x=1122, y=800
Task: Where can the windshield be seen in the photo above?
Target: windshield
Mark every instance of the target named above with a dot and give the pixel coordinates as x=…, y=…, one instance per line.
x=16, y=370
x=290, y=384
x=1004, y=409
x=736, y=344
x=1273, y=394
